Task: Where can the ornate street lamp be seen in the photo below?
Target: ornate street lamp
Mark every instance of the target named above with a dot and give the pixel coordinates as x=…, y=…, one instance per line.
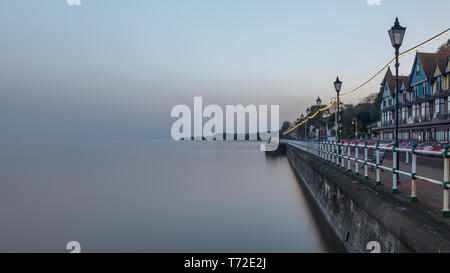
x=337, y=87
x=396, y=33
x=318, y=101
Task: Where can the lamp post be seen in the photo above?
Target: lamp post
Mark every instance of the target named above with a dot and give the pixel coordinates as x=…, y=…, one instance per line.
x=337, y=87
x=396, y=33
x=306, y=127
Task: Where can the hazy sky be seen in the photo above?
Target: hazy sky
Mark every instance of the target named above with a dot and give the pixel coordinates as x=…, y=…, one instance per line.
x=114, y=69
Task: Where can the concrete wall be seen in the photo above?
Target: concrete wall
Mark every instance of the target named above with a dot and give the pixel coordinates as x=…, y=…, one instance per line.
x=360, y=213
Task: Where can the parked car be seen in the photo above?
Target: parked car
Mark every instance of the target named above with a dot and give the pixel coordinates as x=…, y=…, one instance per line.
x=371, y=143
x=407, y=145
x=426, y=146
x=387, y=144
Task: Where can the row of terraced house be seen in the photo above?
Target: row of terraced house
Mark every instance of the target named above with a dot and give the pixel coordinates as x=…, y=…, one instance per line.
x=424, y=100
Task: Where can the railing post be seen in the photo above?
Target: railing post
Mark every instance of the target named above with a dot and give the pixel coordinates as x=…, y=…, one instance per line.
x=445, y=210
x=319, y=144
x=413, y=197
x=377, y=180
x=407, y=158
x=336, y=151
x=394, y=165
x=319, y=152
x=332, y=152
x=324, y=150
x=349, y=166
x=366, y=167
x=327, y=145
x=342, y=155
x=318, y=149
x=329, y=150
x=356, y=158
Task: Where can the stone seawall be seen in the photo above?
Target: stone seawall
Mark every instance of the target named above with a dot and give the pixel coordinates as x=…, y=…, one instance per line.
x=359, y=212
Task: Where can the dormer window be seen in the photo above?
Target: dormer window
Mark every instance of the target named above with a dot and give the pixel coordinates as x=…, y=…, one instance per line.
x=439, y=85
x=417, y=71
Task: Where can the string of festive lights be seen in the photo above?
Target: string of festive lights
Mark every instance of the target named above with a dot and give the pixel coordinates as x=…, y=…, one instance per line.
x=402, y=54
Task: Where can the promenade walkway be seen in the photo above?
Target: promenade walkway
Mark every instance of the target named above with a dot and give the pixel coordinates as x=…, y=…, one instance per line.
x=430, y=195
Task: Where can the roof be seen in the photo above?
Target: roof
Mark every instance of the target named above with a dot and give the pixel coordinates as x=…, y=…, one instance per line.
x=389, y=78
x=430, y=60
x=405, y=80
x=448, y=61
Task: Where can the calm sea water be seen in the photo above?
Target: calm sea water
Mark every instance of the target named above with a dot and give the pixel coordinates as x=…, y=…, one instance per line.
x=154, y=196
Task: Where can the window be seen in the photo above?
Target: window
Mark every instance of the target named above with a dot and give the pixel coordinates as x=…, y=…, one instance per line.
x=439, y=84
x=436, y=105
x=425, y=88
x=448, y=104
x=417, y=70
x=441, y=135
x=441, y=106
x=416, y=91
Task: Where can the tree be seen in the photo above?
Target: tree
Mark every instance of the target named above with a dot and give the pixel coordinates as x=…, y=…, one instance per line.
x=285, y=126
x=371, y=98
x=444, y=46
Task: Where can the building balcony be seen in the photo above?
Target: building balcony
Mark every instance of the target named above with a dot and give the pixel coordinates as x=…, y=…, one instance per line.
x=434, y=119
x=387, y=123
x=375, y=124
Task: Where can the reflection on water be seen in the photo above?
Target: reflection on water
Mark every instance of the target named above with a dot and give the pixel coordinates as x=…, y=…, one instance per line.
x=154, y=196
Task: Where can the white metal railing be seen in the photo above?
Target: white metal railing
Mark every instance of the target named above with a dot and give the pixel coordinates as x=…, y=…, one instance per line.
x=337, y=153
